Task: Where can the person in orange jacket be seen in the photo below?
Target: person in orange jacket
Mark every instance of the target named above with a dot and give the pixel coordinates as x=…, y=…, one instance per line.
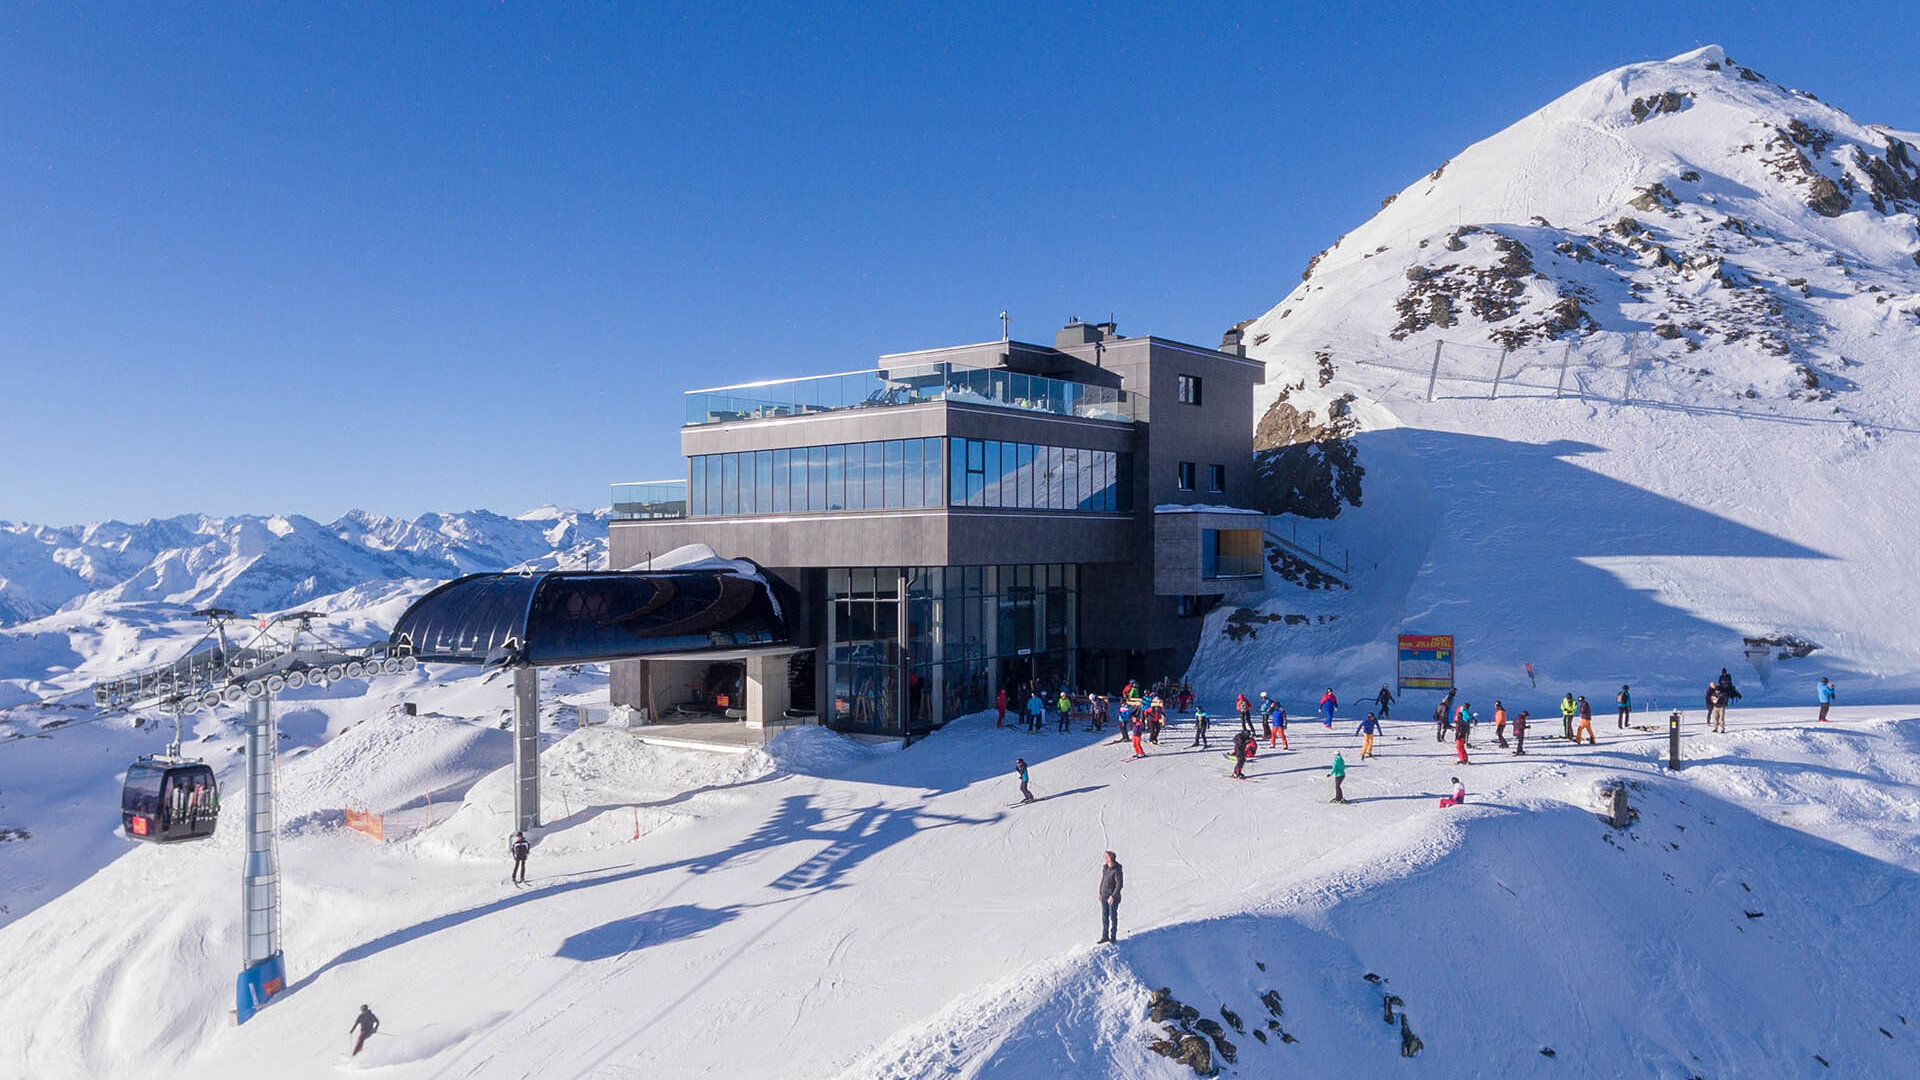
x=1500, y=724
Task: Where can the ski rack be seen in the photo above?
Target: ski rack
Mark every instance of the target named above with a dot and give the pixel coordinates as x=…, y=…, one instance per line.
x=267, y=664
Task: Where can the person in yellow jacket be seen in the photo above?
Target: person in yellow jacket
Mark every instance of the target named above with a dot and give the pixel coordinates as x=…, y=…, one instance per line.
x=1567, y=709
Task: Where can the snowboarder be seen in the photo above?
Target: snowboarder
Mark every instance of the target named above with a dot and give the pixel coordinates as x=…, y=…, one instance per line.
x=1200, y=728
x=1368, y=729
x=1112, y=879
x=1036, y=712
x=1066, y=713
x=1440, y=724
x=1625, y=700
x=1567, y=709
x=366, y=1024
x=518, y=848
x=1586, y=722
x=1462, y=723
x=1520, y=732
x=1020, y=768
x=1243, y=745
x=1384, y=699
x=1000, y=703
x=1339, y=774
x=1826, y=691
x=1138, y=732
x=1500, y=723
x=1459, y=795
x=1276, y=724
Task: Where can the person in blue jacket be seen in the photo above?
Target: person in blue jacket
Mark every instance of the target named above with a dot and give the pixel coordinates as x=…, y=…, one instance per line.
x=1367, y=730
x=1328, y=703
x=1826, y=691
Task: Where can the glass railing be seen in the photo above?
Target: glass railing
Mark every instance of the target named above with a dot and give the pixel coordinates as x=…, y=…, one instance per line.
x=912, y=385
x=649, y=500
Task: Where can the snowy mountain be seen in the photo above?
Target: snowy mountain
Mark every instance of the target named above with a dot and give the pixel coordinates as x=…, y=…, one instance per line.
x=1627, y=390
x=252, y=563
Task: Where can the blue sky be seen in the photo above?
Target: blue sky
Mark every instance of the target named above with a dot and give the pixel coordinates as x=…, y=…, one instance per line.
x=302, y=258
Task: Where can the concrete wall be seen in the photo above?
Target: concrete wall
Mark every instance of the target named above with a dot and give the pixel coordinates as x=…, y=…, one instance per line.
x=1176, y=555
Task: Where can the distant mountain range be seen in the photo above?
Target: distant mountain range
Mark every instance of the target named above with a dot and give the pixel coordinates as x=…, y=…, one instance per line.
x=259, y=564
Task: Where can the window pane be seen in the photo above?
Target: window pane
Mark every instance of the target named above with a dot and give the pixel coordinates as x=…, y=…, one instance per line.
x=697, y=485
x=836, y=498
x=762, y=482
x=957, y=473
x=876, y=475
x=992, y=473
x=1073, y=477
x=913, y=472
x=896, y=473
x=729, y=483
x=816, y=478
x=797, y=480
x=936, y=482
x=856, y=495
x=779, y=486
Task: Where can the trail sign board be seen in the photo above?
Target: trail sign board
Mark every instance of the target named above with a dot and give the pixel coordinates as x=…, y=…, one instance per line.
x=1426, y=662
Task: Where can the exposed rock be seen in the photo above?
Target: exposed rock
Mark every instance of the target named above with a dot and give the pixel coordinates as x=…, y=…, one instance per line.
x=1672, y=101
x=1655, y=196
x=1233, y=1020
x=1410, y=1043
x=1271, y=999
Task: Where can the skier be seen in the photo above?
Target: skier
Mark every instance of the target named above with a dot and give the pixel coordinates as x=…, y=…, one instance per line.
x=1826, y=691
x=518, y=848
x=1276, y=724
x=1530, y=680
x=1036, y=712
x=1200, y=728
x=1000, y=704
x=1112, y=879
x=1186, y=696
x=366, y=1024
x=1266, y=717
x=1586, y=723
x=1520, y=732
x=1243, y=744
x=1066, y=713
x=1368, y=729
x=1625, y=700
x=1500, y=723
x=1156, y=719
x=1328, y=703
x=1139, y=730
x=1567, y=709
x=1440, y=724
x=1020, y=769
x=1385, y=700
x=1245, y=708
x=1462, y=723
x=1339, y=774
x=1459, y=794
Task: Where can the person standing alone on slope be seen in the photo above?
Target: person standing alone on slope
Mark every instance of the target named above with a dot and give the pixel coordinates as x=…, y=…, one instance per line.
x=1020, y=770
x=518, y=848
x=1000, y=703
x=1500, y=724
x=366, y=1024
x=1328, y=704
x=1112, y=879
x=1200, y=727
x=1384, y=699
x=1625, y=700
x=1339, y=774
x=1368, y=729
x=1827, y=691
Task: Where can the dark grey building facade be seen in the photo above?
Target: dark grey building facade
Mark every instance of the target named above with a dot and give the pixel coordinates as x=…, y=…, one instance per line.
x=962, y=519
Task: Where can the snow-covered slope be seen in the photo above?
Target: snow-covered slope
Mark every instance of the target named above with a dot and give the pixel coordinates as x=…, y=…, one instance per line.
x=1614, y=390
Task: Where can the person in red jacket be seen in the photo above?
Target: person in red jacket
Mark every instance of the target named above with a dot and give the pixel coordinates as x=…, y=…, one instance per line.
x=1000, y=703
x=1328, y=704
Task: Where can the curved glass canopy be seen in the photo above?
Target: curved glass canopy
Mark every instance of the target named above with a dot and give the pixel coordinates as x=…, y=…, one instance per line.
x=587, y=616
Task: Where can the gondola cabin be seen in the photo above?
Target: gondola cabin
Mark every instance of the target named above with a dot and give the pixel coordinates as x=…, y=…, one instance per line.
x=164, y=802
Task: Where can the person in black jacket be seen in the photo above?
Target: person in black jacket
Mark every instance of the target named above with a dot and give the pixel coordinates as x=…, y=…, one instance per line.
x=1020, y=769
x=518, y=848
x=1385, y=701
x=366, y=1024
x=1112, y=877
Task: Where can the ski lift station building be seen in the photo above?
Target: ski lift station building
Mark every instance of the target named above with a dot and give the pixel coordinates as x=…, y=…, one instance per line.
x=960, y=519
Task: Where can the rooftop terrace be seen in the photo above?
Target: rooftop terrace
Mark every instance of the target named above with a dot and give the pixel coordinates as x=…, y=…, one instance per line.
x=913, y=385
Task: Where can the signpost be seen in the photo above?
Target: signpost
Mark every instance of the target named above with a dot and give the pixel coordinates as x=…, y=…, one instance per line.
x=1426, y=662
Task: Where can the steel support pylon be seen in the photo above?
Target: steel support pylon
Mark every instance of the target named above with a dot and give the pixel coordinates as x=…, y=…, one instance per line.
x=526, y=748
x=264, y=972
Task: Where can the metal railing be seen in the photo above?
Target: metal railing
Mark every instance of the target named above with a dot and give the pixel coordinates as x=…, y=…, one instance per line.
x=912, y=385
x=1283, y=530
x=649, y=500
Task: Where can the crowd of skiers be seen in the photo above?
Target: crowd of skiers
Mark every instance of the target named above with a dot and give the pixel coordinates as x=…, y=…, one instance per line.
x=1142, y=714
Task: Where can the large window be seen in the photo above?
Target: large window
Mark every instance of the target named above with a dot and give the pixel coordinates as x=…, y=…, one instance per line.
x=1024, y=476
x=891, y=474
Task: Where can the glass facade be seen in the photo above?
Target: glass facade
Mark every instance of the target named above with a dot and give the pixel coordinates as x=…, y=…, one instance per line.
x=885, y=475
x=912, y=384
x=955, y=635
x=988, y=472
